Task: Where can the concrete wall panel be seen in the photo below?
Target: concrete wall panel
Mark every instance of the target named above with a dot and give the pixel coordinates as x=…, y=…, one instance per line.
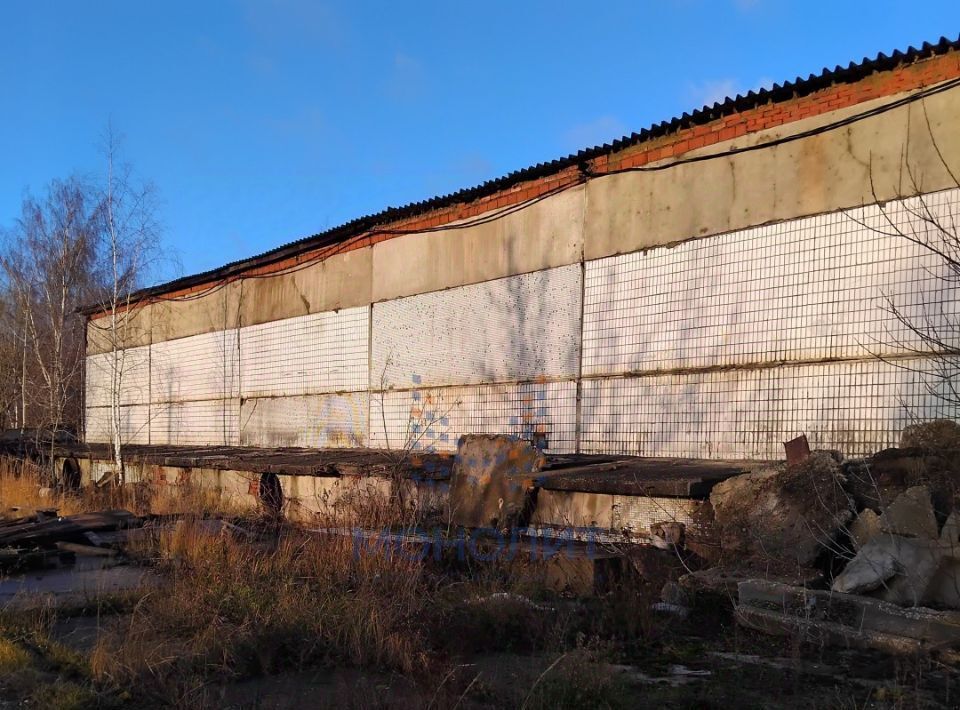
x=132, y=367
x=542, y=236
x=330, y=420
x=435, y=419
x=195, y=368
x=858, y=407
x=840, y=169
x=518, y=328
x=340, y=281
x=209, y=422
x=815, y=288
x=321, y=352
x=134, y=424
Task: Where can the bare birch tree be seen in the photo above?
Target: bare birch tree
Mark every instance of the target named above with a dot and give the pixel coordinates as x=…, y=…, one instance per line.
x=130, y=251
x=47, y=266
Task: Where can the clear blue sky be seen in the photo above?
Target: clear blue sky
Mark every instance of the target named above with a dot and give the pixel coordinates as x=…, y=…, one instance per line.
x=265, y=121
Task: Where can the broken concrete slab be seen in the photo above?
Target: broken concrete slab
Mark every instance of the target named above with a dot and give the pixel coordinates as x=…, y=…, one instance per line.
x=844, y=619
x=871, y=568
x=911, y=514
x=877, y=481
x=492, y=480
x=864, y=528
x=782, y=516
x=897, y=569
x=950, y=532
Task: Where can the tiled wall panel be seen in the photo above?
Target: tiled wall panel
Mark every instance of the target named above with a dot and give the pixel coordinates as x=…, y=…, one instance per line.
x=133, y=368
x=857, y=407
x=321, y=352
x=196, y=368
x=213, y=422
x=434, y=419
x=330, y=420
x=721, y=347
x=517, y=328
x=806, y=289
x=134, y=424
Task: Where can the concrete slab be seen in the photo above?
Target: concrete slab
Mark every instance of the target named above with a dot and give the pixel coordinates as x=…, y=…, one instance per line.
x=911, y=514
x=844, y=619
x=492, y=479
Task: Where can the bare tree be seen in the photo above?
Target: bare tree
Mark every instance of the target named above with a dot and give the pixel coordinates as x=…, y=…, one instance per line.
x=48, y=270
x=130, y=251
x=926, y=318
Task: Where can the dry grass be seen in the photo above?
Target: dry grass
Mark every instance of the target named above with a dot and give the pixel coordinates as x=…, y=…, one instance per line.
x=272, y=598
x=237, y=609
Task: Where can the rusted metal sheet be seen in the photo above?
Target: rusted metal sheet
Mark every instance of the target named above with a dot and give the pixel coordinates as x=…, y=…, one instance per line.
x=797, y=450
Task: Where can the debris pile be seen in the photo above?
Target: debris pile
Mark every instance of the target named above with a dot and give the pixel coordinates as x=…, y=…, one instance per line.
x=42, y=538
x=863, y=552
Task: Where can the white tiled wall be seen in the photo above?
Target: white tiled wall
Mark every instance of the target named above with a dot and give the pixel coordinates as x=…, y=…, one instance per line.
x=321, y=352
x=325, y=420
x=134, y=424
x=516, y=328
x=211, y=421
x=133, y=368
x=807, y=289
x=195, y=368
x=435, y=418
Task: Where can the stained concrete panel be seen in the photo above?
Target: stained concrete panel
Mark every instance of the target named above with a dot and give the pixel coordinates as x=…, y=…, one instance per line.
x=544, y=235
x=838, y=169
x=340, y=281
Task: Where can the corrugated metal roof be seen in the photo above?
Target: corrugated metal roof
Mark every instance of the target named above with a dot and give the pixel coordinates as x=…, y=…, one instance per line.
x=778, y=92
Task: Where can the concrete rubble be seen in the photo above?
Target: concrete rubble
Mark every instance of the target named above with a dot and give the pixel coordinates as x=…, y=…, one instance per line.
x=854, y=552
x=782, y=515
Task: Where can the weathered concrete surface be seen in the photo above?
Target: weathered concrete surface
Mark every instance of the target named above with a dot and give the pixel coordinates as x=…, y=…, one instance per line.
x=845, y=619
x=950, y=532
x=492, y=481
x=133, y=329
x=542, y=236
x=781, y=515
x=898, y=568
x=911, y=514
x=340, y=281
x=818, y=174
x=626, y=515
x=877, y=481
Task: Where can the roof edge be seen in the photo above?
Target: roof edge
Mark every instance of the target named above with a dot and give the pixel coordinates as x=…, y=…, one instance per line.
x=798, y=88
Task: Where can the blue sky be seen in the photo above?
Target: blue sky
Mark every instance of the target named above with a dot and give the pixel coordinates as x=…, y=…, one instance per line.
x=263, y=122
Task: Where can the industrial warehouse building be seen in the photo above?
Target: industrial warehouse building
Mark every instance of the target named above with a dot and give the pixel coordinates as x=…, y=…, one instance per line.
x=708, y=288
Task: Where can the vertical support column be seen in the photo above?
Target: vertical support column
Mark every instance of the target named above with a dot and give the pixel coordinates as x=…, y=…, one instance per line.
x=578, y=423
x=370, y=374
